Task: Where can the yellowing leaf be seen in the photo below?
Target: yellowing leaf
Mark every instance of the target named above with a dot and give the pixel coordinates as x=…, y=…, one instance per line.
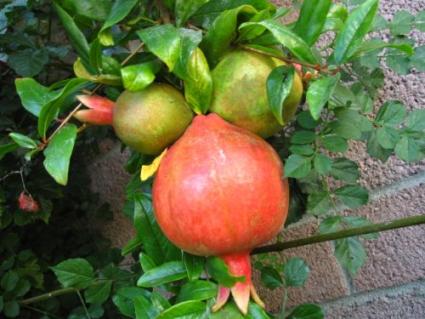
x=149, y=170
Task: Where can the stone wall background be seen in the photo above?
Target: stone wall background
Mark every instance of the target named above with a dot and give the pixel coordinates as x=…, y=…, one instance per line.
x=392, y=283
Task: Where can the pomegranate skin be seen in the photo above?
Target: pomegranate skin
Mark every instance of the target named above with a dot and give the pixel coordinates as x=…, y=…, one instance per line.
x=219, y=190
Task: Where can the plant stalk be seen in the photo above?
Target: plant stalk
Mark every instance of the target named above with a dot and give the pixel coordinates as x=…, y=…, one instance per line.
x=51, y=294
x=374, y=228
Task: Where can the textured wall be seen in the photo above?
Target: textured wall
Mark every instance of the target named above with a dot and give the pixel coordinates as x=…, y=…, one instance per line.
x=392, y=283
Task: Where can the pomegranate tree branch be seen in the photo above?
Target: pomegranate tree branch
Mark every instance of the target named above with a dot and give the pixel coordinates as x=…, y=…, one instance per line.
x=374, y=228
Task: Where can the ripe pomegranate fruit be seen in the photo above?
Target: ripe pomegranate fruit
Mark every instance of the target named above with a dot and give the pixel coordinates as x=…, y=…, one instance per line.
x=240, y=93
x=27, y=203
x=219, y=191
x=148, y=120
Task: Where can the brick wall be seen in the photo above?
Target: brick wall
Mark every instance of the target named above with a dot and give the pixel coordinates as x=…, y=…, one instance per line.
x=392, y=283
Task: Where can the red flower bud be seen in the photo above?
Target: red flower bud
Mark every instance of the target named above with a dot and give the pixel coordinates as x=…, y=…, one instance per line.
x=27, y=204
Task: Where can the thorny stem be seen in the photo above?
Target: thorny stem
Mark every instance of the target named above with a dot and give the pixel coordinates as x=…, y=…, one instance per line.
x=374, y=228
x=398, y=223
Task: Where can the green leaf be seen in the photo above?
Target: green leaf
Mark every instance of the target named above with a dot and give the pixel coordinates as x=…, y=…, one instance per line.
x=163, y=41
x=119, y=10
x=270, y=277
x=144, y=308
x=184, y=9
x=374, y=45
x=139, y=76
x=359, y=221
x=33, y=95
x=81, y=72
x=92, y=9
x=198, y=86
x=218, y=270
x=190, y=39
x=256, y=312
x=345, y=170
x=305, y=120
x=1, y=303
x=76, y=37
x=74, y=272
x=295, y=272
x=408, y=149
x=420, y=21
x=402, y=23
x=336, y=18
x=334, y=143
x=192, y=308
x=312, y=19
x=146, y=262
x=168, y=272
x=375, y=149
x=417, y=61
x=125, y=299
x=399, y=63
x=11, y=309
x=279, y=84
x=391, y=113
x=50, y=110
x=330, y=224
x=319, y=203
x=58, y=153
x=355, y=28
x=319, y=93
x=322, y=164
x=99, y=292
x=297, y=166
x=305, y=150
x=28, y=62
x=197, y=290
x=194, y=265
x=297, y=46
x=350, y=253
x=307, y=311
x=95, y=55
x=416, y=120
x=9, y=280
x=387, y=137
x=303, y=137
x=223, y=31
x=23, y=141
x=352, y=196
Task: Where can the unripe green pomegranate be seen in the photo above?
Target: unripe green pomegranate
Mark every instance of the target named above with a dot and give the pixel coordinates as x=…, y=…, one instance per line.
x=148, y=120
x=240, y=93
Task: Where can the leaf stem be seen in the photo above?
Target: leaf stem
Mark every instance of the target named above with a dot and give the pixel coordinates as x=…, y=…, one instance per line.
x=51, y=294
x=398, y=223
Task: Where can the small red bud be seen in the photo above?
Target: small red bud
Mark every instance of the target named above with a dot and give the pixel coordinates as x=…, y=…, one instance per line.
x=27, y=204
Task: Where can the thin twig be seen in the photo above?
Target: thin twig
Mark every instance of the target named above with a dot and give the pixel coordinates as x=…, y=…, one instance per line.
x=83, y=304
x=374, y=228
x=51, y=294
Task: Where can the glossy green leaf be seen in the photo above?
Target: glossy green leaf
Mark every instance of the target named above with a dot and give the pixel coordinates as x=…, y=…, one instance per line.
x=194, y=265
x=184, y=309
x=98, y=293
x=198, y=85
x=95, y=55
x=402, y=23
x=126, y=299
x=58, y=153
x=256, y=312
x=28, y=62
x=336, y=18
x=312, y=19
x=350, y=253
x=144, y=308
x=163, y=41
x=322, y=164
x=391, y=113
x=334, y=143
x=409, y=150
x=297, y=46
x=297, y=166
x=319, y=203
x=7, y=148
x=190, y=39
x=357, y=25
x=319, y=93
x=120, y=9
x=416, y=120
x=50, y=110
x=197, y=290
x=279, y=84
x=74, y=272
x=23, y=141
x=270, y=277
x=307, y=311
x=146, y=262
x=218, y=270
x=136, y=77
x=222, y=32
x=108, y=79
x=165, y=273
x=352, y=196
x=33, y=95
x=295, y=272
x=184, y=9
x=76, y=37
x=92, y=9
x=345, y=170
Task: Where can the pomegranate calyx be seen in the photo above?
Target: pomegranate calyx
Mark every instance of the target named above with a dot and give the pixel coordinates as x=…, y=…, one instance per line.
x=238, y=265
x=99, y=112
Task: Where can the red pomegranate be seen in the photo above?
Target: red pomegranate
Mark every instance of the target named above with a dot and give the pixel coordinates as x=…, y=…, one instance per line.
x=219, y=191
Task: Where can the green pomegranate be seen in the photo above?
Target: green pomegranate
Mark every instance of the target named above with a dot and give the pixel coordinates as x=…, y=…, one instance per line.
x=240, y=94
x=148, y=120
